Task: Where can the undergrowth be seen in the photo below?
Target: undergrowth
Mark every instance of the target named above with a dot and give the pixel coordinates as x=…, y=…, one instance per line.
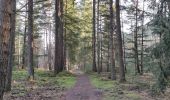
x=43, y=79
x=113, y=90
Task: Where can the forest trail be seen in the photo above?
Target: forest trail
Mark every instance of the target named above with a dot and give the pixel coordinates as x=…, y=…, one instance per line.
x=83, y=90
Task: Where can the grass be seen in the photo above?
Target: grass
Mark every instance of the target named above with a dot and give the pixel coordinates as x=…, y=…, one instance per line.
x=98, y=82
x=20, y=85
x=19, y=75
x=133, y=96
x=113, y=90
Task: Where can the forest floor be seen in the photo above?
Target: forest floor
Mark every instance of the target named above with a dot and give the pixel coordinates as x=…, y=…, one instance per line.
x=44, y=87
x=137, y=87
x=83, y=90
x=81, y=86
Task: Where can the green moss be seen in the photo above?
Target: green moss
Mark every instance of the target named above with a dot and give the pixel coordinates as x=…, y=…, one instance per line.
x=98, y=82
x=63, y=79
x=43, y=78
x=113, y=90
x=21, y=86
x=133, y=96
x=19, y=75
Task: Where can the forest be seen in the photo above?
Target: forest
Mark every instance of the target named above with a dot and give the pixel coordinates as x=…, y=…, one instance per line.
x=84, y=49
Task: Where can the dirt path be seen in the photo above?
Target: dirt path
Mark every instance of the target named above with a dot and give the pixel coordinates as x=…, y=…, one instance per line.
x=83, y=90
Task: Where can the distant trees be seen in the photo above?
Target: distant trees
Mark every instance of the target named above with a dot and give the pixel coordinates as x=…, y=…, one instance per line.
x=75, y=37
x=104, y=49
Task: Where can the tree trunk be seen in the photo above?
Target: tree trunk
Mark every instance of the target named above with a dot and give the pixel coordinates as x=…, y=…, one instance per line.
x=94, y=37
x=61, y=37
x=49, y=49
x=11, y=47
x=30, y=40
x=119, y=38
x=142, y=39
x=5, y=30
x=56, y=61
x=108, y=56
x=24, y=46
x=136, y=41
x=98, y=37
x=112, y=60
x=19, y=51
x=124, y=48
x=101, y=62
x=65, y=34
x=124, y=52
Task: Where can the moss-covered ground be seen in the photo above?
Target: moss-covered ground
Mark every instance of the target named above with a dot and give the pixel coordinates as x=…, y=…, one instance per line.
x=133, y=89
x=45, y=85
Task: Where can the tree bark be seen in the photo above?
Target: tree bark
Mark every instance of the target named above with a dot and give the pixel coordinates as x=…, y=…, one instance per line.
x=120, y=48
x=61, y=37
x=112, y=60
x=30, y=40
x=56, y=61
x=98, y=37
x=65, y=34
x=49, y=49
x=5, y=30
x=142, y=39
x=94, y=37
x=11, y=47
x=24, y=44
x=136, y=41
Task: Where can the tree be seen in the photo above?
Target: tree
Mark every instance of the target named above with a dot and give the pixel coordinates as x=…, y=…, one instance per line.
x=94, y=37
x=136, y=41
x=59, y=58
x=30, y=40
x=24, y=42
x=5, y=22
x=61, y=31
x=161, y=50
x=98, y=36
x=119, y=38
x=142, y=44
x=11, y=47
x=112, y=60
